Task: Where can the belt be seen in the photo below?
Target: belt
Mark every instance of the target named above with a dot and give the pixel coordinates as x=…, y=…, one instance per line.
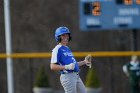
x=70, y=72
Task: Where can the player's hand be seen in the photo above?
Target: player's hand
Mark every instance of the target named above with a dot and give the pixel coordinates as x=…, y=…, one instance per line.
x=88, y=60
x=70, y=66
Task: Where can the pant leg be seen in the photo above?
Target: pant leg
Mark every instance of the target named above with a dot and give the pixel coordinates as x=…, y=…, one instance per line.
x=80, y=86
x=68, y=82
x=134, y=86
x=135, y=89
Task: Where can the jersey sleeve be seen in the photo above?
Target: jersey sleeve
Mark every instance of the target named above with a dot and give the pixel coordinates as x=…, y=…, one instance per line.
x=54, y=57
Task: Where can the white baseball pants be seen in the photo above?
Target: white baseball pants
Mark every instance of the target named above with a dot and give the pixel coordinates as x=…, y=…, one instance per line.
x=72, y=83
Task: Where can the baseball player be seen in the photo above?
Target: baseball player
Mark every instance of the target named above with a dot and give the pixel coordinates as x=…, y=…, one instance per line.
x=63, y=60
x=132, y=71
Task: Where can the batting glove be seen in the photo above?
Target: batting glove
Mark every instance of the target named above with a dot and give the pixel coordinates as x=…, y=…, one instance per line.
x=88, y=59
x=70, y=66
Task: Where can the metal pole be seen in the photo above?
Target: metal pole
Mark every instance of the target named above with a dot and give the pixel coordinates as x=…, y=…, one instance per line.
x=8, y=46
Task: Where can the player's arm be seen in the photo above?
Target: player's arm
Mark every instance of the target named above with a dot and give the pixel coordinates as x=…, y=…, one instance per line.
x=56, y=67
x=54, y=64
x=125, y=70
x=87, y=61
x=80, y=63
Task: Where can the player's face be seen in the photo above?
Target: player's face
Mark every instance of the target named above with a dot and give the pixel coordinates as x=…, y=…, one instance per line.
x=134, y=58
x=64, y=38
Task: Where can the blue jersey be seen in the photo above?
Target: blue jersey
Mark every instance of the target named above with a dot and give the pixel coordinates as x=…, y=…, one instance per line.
x=62, y=55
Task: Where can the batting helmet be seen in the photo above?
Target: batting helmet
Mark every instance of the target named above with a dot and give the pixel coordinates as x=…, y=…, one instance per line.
x=60, y=31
